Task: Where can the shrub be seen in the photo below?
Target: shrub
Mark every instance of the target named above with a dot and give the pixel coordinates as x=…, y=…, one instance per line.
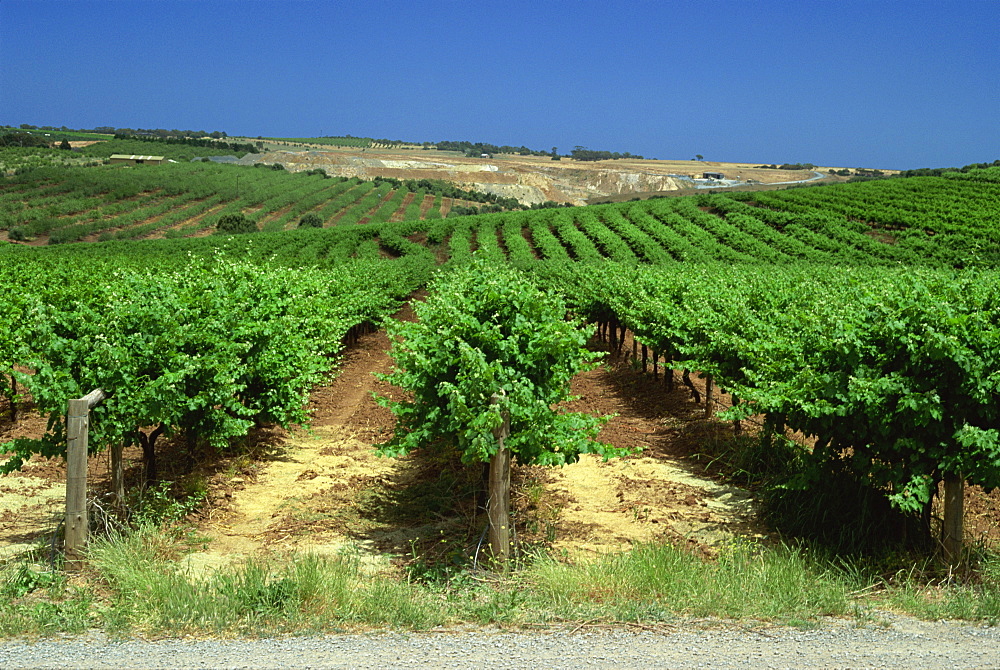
x=236, y=223
x=311, y=220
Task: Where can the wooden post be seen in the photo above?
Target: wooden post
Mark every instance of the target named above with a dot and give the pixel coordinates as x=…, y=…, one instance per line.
x=737, y=424
x=13, y=396
x=954, y=510
x=709, y=397
x=498, y=506
x=117, y=475
x=77, y=523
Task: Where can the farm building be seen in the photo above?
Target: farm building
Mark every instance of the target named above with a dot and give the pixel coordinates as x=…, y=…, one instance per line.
x=135, y=160
x=713, y=175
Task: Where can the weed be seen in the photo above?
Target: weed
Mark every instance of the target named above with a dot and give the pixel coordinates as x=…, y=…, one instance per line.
x=23, y=578
x=156, y=506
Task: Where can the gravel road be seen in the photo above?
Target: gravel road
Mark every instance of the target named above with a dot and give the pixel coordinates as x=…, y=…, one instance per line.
x=903, y=643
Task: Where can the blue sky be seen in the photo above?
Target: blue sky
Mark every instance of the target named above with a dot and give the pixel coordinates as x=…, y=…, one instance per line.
x=873, y=84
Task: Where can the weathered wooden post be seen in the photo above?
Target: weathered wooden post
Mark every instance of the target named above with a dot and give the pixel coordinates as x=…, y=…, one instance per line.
x=737, y=424
x=117, y=475
x=498, y=506
x=709, y=397
x=77, y=523
x=953, y=527
x=13, y=396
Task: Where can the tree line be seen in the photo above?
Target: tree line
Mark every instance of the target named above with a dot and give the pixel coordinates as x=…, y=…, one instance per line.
x=111, y=130
x=475, y=149
x=236, y=147
x=585, y=154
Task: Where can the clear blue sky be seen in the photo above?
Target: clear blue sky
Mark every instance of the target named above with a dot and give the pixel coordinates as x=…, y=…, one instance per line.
x=874, y=84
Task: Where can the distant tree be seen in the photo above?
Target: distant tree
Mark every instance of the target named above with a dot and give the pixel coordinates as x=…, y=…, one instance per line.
x=311, y=220
x=22, y=140
x=64, y=145
x=699, y=157
x=236, y=224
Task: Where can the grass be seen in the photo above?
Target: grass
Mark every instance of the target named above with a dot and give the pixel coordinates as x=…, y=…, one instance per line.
x=136, y=584
x=659, y=580
x=152, y=593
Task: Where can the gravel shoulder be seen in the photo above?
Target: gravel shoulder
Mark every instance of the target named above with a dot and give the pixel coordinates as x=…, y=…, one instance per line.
x=899, y=643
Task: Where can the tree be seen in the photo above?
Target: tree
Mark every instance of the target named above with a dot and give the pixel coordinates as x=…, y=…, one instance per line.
x=311, y=220
x=699, y=157
x=236, y=223
x=65, y=145
x=491, y=349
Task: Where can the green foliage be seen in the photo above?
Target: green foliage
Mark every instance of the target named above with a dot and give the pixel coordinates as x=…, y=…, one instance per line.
x=893, y=371
x=157, y=505
x=311, y=220
x=18, y=234
x=236, y=223
x=18, y=139
x=487, y=331
x=210, y=347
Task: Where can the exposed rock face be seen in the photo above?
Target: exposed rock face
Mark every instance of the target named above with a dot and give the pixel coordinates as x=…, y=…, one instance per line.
x=530, y=179
x=529, y=182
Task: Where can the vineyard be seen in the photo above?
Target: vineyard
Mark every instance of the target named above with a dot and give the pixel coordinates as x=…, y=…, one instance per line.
x=115, y=202
x=862, y=318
